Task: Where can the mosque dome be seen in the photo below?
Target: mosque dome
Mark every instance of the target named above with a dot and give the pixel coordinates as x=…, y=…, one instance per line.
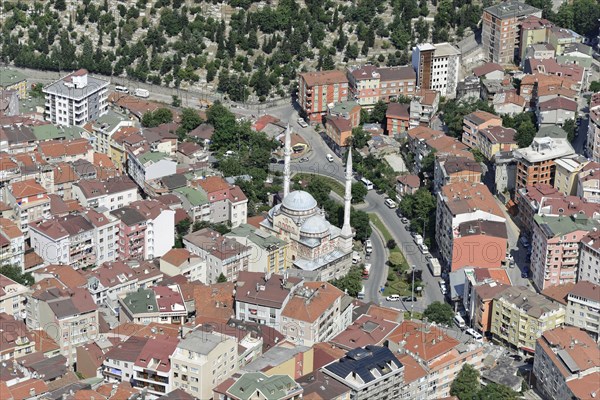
x=315, y=225
x=299, y=201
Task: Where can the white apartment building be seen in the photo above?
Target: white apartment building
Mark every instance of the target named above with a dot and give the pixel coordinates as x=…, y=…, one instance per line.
x=160, y=227
x=182, y=262
x=437, y=67
x=65, y=240
x=104, y=127
x=12, y=244
x=12, y=297
x=150, y=165
x=203, y=360
x=29, y=201
x=583, y=307
x=589, y=258
x=105, y=236
x=268, y=252
x=76, y=99
x=111, y=194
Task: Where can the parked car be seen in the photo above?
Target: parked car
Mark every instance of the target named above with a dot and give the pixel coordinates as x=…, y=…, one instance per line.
x=404, y=220
x=524, y=241
x=304, y=159
x=302, y=123
x=516, y=357
x=390, y=203
x=409, y=299
x=476, y=335
x=329, y=157
x=393, y=297
x=525, y=274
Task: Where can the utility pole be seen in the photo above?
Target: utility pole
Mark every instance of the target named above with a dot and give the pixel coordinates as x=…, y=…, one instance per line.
x=412, y=293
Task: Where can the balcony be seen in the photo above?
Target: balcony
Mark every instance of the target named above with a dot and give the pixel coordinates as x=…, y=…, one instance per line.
x=152, y=377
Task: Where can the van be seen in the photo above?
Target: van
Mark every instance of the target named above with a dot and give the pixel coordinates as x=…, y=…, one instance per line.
x=368, y=246
x=121, y=89
x=142, y=93
x=393, y=297
x=368, y=184
x=459, y=321
x=329, y=157
x=390, y=203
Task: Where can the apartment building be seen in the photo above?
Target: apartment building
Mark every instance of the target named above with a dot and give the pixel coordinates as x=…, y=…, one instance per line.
x=370, y=84
x=182, y=262
x=520, y=316
x=437, y=67
x=29, y=202
x=17, y=341
x=12, y=244
x=587, y=182
x=407, y=184
x=269, y=254
x=246, y=386
x=152, y=368
x=132, y=232
x=221, y=254
x=423, y=107
x=589, y=259
x=228, y=203
x=480, y=305
x=566, y=173
x=339, y=133
x=555, y=248
x=371, y=372
x=56, y=151
x=111, y=194
x=593, y=133
x=119, y=361
x=566, y=364
x=556, y=111
x=76, y=99
x=583, y=307
x=12, y=297
x=500, y=30
x=11, y=79
x=479, y=243
x=195, y=203
x=261, y=298
x=532, y=30
x=68, y=316
x=439, y=354
x=144, y=166
x=349, y=110
x=65, y=240
x=315, y=313
x=160, y=304
x=106, y=235
x=463, y=202
x=535, y=164
x=452, y=169
x=159, y=236
x=397, y=119
x=203, y=360
x=474, y=122
x=317, y=90
x=496, y=139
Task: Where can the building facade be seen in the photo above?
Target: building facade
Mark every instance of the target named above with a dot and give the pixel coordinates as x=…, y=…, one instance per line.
x=437, y=67
x=317, y=90
x=583, y=308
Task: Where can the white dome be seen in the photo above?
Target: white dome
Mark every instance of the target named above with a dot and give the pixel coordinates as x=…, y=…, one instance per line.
x=299, y=200
x=314, y=225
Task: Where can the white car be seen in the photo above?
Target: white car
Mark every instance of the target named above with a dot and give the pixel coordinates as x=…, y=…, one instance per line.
x=476, y=335
x=302, y=123
x=393, y=297
x=329, y=157
x=390, y=203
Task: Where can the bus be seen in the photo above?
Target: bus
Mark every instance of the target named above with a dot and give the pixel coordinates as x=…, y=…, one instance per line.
x=368, y=184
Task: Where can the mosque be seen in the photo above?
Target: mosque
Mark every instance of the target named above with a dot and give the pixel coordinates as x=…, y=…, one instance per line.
x=319, y=251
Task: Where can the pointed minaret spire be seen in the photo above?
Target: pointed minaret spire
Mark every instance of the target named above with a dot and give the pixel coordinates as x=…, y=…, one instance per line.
x=346, y=228
x=287, y=152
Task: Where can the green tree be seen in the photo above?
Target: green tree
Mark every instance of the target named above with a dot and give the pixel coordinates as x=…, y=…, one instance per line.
x=466, y=384
x=60, y=5
x=176, y=101
x=190, y=119
x=525, y=134
x=183, y=226
x=571, y=128
x=159, y=116
x=14, y=272
x=440, y=313
x=378, y=112
x=427, y=164
x=359, y=191
x=351, y=283
x=494, y=391
x=595, y=86
x=359, y=137
x=361, y=224
x=221, y=278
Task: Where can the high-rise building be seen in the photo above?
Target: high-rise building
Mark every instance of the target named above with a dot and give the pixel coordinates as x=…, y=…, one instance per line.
x=317, y=90
x=76, y=99
x=500, y=30
x=437, y=67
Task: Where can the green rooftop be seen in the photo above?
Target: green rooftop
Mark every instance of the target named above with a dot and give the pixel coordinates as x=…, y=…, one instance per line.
x=194, y=196
x=30, y=104
x=140, y=302
x=154, y=156
x=9, y=77
x=51, y=132
x=271, y=387
x=555, y=132
x=344, y=107
x=111, y=119
x=261, y=239
x=558, y=226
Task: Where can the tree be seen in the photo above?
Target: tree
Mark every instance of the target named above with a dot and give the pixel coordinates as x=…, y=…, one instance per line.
x=494, y=391
x=190, y=119
x=14, y=272
x=378, y=112
x=359, y=191
x=176, y=101
x=440, y=313
x=359, y=137
x=183, y=226
x=391, y=244
x=159, y=116
x=571, y=128
x=221, y=278
x=466, y=384
x=60, y=5
x=525, y=134
x=428, y=163
x=595, y=86
x=351, y=283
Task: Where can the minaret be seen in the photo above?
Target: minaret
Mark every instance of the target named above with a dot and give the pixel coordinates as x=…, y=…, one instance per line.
x=346, y=228
x=287, y=152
